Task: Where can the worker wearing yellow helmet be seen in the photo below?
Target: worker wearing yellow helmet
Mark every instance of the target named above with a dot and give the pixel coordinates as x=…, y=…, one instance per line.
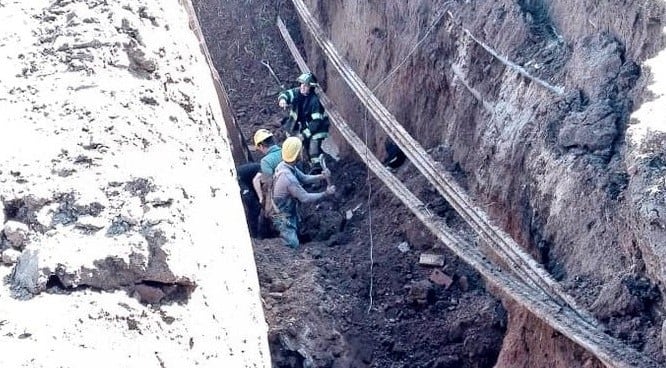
x=254, y=181
x=288, y=191
x=272, y=155
x=307, y=117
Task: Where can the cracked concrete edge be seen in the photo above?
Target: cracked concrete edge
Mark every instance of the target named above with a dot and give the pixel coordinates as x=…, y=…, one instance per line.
x=222, y=324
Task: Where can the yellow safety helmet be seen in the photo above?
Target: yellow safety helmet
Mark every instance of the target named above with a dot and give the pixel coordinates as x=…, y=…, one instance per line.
x=261, y=135
x=291, y=148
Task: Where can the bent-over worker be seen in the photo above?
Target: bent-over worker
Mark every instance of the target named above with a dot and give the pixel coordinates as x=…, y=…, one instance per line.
x=288, y=191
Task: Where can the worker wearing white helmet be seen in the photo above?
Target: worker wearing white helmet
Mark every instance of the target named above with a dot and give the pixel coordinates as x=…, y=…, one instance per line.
x=307, y=117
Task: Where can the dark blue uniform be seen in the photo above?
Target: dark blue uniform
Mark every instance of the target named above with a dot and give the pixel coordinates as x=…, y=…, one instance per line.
x=394, y=155
x=246, y=173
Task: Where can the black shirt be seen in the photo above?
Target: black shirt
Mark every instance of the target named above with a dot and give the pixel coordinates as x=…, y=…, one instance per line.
x=394, y=155
x=247, y=172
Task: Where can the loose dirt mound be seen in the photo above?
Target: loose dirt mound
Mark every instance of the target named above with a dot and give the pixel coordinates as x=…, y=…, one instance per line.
x=318, y=301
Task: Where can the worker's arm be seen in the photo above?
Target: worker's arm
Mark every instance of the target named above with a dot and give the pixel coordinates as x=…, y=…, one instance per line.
x=286, y=97
x=308, y=179
x=297, y=191
x=256, y=184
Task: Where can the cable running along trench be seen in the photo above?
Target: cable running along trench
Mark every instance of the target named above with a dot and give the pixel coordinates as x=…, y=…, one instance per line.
x=537, y=291
x=499, y=242
x=564, y=319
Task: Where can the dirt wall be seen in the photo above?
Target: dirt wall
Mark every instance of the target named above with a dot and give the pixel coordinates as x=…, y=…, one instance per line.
x=544, y=147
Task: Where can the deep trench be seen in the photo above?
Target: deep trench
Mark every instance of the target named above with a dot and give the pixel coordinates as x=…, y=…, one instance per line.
x=394, y=334
x=334, y=248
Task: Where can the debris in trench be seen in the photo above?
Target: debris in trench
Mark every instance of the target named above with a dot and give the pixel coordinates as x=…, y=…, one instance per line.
x=16, y=234
x=403, y=247
x=440, y=278
x=429, y=259
x=419, y=292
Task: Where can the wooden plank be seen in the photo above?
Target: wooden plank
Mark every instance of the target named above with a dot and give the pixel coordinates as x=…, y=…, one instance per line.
x=430, y=259
x=561, y=314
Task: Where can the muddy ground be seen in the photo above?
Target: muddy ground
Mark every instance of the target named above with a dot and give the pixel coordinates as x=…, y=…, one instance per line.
x=350, y=297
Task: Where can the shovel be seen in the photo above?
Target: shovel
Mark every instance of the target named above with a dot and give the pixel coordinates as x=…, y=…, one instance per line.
x=270, y=70
x=324, y=168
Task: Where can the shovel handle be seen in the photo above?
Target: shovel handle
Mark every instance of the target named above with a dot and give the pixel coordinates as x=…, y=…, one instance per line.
x=324, y=168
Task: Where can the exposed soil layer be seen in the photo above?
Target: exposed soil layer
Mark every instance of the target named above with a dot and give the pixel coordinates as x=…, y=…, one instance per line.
x=317, y=299
x=547, y=163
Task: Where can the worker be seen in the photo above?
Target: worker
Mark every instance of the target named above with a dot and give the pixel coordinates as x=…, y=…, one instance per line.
x=394, y=156
x=246, y=174
x=288, y=191
x=253, y=179
x=272, y=155
x=307, y=117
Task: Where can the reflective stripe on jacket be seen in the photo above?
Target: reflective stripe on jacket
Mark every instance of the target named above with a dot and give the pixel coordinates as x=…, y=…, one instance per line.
x=306, y=109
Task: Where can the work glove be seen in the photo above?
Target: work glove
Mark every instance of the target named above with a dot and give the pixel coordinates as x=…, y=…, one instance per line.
x=330, y=190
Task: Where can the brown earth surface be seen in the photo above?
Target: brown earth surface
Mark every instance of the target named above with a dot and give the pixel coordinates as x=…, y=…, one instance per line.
x=350, y=297
x=317, y=299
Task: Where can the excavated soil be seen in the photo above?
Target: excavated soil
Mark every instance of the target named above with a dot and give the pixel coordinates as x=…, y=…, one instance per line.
x=318, y=299
x=355, y=295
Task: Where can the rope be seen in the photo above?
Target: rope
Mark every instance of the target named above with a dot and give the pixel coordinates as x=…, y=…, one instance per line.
x=510, y=64
x=564, y=317
x=369, y=183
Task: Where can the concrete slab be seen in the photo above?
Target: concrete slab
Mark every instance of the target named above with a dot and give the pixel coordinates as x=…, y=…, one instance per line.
x=114, y=148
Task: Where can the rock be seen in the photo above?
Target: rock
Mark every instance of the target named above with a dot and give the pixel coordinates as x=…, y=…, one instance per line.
x=45, y=215
x=593, y=129
x=279, y=287
x=16, y=233
x=624, y=296
x=403, y=247
x=430, y=259
x=419, y=292
x=440, y=278
x=148, y=294
x=316, y=253
x=91, y=223
x=10, y=256
x=24, y=281
x=463, y=282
